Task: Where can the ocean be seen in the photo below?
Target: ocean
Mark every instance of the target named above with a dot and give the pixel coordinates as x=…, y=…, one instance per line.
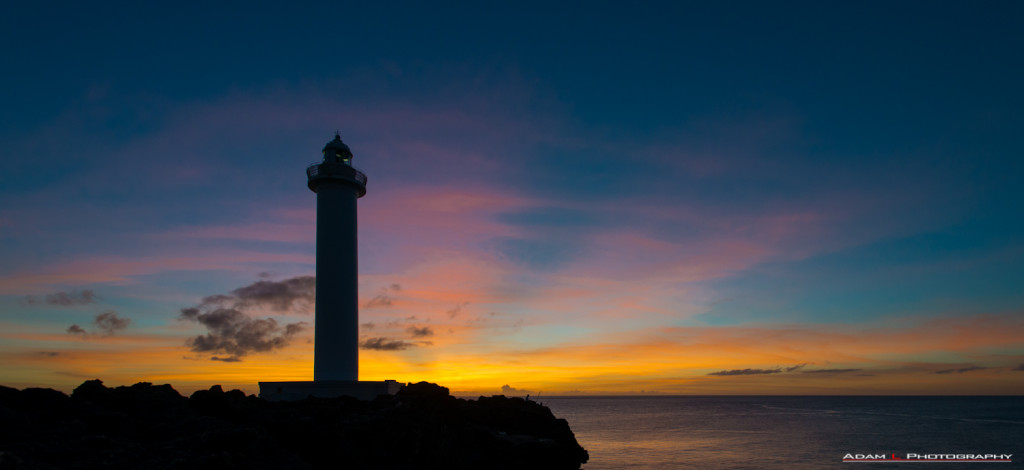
x=797, y=432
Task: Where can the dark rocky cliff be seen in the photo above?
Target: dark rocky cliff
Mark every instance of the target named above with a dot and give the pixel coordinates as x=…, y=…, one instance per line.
x=154, y=427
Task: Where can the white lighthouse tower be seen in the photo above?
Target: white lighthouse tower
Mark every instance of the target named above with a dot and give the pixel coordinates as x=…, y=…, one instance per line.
x=337, y=185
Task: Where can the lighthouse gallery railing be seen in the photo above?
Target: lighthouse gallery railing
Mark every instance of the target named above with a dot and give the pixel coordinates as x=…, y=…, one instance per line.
x=319, y=168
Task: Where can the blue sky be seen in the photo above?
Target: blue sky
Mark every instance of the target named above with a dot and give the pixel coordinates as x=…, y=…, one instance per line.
x=565, y=178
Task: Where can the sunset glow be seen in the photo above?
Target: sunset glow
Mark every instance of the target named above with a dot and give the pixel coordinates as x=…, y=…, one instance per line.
x=681, y=204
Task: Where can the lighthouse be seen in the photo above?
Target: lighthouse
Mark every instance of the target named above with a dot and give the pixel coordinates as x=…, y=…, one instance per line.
x=337, y=185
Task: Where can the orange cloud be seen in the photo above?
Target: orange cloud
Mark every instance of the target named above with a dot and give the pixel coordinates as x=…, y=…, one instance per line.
x=480, y=358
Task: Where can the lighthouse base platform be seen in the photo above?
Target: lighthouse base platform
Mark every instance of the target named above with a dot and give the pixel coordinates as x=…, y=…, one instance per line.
x=362, y=390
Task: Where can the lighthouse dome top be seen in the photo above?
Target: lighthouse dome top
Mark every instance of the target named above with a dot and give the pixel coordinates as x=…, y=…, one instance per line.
x=337, y=151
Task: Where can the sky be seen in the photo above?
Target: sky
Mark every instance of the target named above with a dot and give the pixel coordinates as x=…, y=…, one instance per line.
x=569, y=198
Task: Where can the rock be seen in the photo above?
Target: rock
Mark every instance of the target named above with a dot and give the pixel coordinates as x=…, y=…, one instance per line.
x=147, y=426
x=425, y=391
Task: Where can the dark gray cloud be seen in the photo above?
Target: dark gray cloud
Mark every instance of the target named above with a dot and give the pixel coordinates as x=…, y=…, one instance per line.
x=368, y=325
x=109, y=323
x=48, y=353
x=64, y=299
x=383, y=299
x=1020, y=367
x=225, y=359
x=831, y=371
x=961, y=370
x=385, y=344
x=280, y=296
x=456, y=310
x=777, y=370
x=424, y=332
x=230, y=331
x=294, y=328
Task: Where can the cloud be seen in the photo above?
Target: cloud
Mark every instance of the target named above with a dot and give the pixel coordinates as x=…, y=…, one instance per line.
x=420, y=332
x=509, y=390
x=107, y=322
x=777, y=370
x=280, y=296
x=1020, y=367
x=64, y=299
x=383, y=299
x=225, y=359
x=230, y=328
x=385, y=344
x=233, y=332
x=121, y=269
x=961, y=370
x=456, y=310
x=292, y=329
x=110, y=323
x=272, y=231
x=746, y=372
x=831, y=371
